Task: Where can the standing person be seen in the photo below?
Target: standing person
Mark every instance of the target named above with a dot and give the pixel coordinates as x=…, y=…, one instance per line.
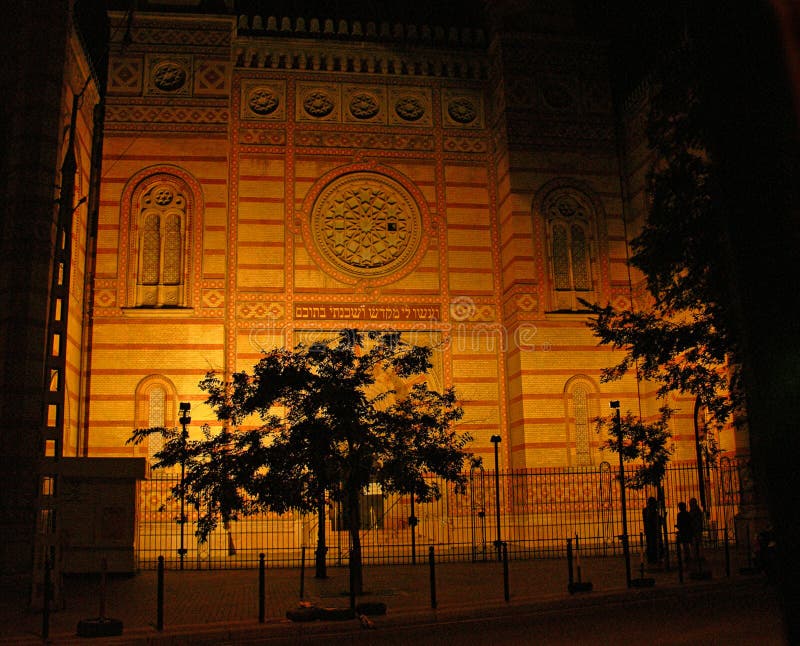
x=684, y=527
x=651, y=529
x=697, y=526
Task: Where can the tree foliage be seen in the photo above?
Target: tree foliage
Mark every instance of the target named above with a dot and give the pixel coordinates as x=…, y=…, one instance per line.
x=684, y=342
x=643, y=445
x=330, y=419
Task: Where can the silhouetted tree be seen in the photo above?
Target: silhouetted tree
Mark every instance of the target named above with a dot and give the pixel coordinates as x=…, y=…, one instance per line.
x=334, y=417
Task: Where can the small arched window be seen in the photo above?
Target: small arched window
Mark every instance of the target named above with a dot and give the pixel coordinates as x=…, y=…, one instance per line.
x=156, y=401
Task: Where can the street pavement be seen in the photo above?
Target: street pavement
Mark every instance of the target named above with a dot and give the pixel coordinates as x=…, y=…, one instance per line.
x=222, y=606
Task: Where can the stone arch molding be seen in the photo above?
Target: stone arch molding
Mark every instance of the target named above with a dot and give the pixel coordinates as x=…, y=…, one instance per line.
x=366, y=223
x=172, y=197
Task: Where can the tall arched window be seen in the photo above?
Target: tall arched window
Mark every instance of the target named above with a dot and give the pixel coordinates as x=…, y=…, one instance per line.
x=157, y=400
x=162, y=263
x=569, y=219
x=580, y=408
x=583, y=456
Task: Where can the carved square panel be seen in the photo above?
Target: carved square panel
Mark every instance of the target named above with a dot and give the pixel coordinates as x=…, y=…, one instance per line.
x=125, y=76
x=462, y=108
x=410, y=106
x=364, y=104
x=212, y=77
x=168, y=75
x=263, y=99
x=318, y=102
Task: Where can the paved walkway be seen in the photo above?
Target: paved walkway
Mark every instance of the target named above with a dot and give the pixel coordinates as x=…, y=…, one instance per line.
x=222, y=605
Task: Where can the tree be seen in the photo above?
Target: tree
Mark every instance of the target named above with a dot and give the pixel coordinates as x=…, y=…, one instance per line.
x=334, y=417
x=685, y=341
x=644, y=445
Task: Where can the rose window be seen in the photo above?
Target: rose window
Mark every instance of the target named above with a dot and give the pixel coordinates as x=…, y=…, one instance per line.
x=366, y=224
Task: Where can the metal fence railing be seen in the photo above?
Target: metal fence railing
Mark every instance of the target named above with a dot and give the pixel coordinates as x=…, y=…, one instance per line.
x=538, y=510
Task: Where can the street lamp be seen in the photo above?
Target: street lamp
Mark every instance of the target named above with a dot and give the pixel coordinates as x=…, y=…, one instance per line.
x=185, y=420
x=625, y=549
x=496, y=439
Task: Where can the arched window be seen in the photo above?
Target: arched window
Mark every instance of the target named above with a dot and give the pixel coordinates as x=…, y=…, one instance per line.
x=156, y=401
x=579, y=408
x=569, y=219
x=162, y=263
x=156, y=406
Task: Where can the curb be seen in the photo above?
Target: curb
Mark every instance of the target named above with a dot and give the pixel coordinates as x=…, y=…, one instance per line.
x=209, y=634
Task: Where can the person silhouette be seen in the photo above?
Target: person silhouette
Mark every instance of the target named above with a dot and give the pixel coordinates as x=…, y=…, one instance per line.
x=697, y=526
x=685, y=535
x=651, y=526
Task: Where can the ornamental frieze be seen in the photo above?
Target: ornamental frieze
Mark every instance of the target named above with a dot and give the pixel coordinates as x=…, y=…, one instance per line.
x=143, y=114
x=253, y=136
x=465, y=144
x=364, y=140
x=272, y=310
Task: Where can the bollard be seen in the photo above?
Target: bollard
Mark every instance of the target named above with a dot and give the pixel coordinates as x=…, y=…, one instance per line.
x=727, y=554
x=262, y=589
x=352, y=584
x=302, y=571
x=505, y=571
x=432, y=565
x=574, y=555
x=160, y=595
x=103, y=575
x=570, y=574
x=46, y=600
x=641, y=555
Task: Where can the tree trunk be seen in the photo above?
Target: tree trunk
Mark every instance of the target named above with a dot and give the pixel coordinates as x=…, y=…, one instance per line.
x=354, y=525
x=321, y=571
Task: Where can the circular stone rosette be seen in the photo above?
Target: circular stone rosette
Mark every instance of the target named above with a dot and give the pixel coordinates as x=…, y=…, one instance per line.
x=366, y=225
x=169, y=76
x=262, y=101
x=364, y=106
x=462, y=110
x=318, y=103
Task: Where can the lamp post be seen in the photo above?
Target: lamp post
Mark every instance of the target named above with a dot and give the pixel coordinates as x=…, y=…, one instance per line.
x=625, y=549
x=496, y=439
x=185, y=420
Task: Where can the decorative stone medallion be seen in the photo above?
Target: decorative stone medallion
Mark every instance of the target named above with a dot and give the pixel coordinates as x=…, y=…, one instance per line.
x=409, y=108
x=366, y=225
x=462, y=110
x=262, y=101
x=169, y=76
x=318, y=103
x=364, y=105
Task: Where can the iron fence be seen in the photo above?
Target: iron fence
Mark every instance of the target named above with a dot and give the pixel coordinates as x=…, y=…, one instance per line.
x=538, y=510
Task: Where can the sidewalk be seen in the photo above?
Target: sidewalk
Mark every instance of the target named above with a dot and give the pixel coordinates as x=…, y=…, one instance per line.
x=222, y=605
